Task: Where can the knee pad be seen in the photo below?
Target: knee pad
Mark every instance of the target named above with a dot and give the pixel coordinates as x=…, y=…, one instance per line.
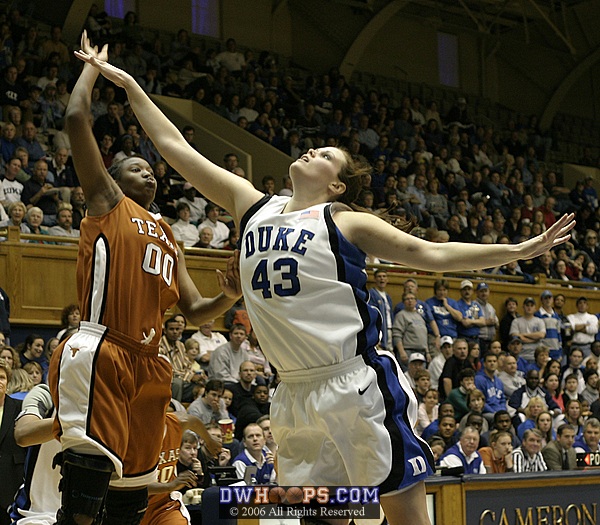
x=83, y=486
x=126, y=507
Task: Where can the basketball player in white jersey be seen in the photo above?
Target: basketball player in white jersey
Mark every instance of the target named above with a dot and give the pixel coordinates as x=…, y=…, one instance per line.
x=303, y=277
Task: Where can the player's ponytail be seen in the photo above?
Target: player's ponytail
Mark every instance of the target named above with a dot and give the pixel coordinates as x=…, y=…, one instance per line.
x=351, y=175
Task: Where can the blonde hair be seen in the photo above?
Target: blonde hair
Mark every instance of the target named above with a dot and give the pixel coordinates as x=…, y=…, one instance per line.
x=20, y=382
x=533, y=401
x=16, y=204
x=29, y=367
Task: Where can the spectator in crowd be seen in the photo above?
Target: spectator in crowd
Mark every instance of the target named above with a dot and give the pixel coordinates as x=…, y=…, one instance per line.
x=465, y=454
x=226, y=359
x=232, y=59
x=528, y=457
x=584, y=326
x=444, y=309
x=449, y=379
x=488, y=382
x=409, y=331
x=379, y=298
x=475, y=404
x=37, y=191
x=16, y=217
x=572, y=416
x=590, y=439
x=208, y=340
x=428, y=410
x=437, y=363
x=447, y=430
x=511, y=377
x=520, y=398
x=70, y=318
x=472, y=318
x=552, y=340
x=30, y=142
x=196, y=204
x=530, y=330
x=184, y=377
x=543, y=422
x=64, y=223
x=416, y=363
x=560, y=454
x=220, y=230
x=533, y=409
x=487, y=332
x=12, y=456
x=502, y=422
x=10, y=188
x=79, y=206
x=183, y=230
x=458, y=396
x=590, y=392
x=243, y=390
x=264, y=422
x=497, y=458
x=255, y=455
x=205, y=238
x=209, y=407
x=253, y=409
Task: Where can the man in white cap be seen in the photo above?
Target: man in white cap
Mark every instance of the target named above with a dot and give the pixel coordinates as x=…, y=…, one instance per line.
x=197, y=204
x=473, y=318
x=416, y=362
x=529, y=329
x=409, y=332
x=437, y=363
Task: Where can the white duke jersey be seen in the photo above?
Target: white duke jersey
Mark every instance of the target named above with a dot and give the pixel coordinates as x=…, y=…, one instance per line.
x=304, y=286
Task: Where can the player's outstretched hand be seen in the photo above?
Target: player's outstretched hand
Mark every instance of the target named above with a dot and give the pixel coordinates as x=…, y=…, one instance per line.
x=558, y=233
x=98, y=59
x=92, y=51
x=230, y=283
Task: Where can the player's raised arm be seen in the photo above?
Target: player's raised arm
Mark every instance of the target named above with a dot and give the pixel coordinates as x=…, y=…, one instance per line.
x=374, y=236
x=218, y=185
x=101, y=192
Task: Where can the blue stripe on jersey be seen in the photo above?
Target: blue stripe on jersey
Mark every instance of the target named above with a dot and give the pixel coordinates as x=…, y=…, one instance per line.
x=22, y=499
x=406, y=444
x=250, y=213
x=350, y=262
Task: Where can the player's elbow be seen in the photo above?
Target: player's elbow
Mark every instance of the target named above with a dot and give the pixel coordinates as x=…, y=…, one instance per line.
x=22, y=437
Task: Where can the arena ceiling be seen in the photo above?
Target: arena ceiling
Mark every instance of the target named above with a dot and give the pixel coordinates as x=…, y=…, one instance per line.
x=562, y=25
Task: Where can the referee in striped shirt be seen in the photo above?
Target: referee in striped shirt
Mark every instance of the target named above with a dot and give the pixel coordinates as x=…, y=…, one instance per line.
x=528, y=457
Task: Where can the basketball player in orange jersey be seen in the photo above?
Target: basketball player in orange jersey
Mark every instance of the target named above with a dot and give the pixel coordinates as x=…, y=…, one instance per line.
x=108, y=383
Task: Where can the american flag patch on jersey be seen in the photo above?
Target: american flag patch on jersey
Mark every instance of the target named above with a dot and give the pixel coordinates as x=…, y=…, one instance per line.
x=310, y=214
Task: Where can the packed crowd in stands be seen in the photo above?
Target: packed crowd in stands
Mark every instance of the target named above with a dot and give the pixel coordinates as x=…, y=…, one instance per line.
x=497, y=394
x=460, y=181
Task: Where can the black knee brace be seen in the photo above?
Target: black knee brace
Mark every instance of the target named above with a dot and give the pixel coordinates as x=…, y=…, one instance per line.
x=125, y=507
x=83, y=485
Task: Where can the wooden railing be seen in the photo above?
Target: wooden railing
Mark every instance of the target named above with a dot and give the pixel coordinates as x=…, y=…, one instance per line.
x=40, y=279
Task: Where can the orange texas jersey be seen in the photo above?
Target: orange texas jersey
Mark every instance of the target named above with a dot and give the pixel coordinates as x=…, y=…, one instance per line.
x=127, y=270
